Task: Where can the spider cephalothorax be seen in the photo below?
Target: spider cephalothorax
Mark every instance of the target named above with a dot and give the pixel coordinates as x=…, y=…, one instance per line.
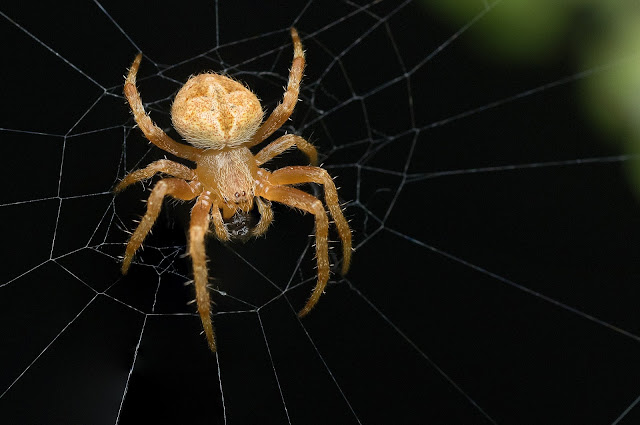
x=222, y=119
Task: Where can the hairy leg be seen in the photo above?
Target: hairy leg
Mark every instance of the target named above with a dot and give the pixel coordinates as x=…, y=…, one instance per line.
x=301, y=174
x=150, y=130
x=266, y=217
x=176, y=188
x=283, y=143
x=218, y=224
x=197, y=231
x=162, y=166
x=283, y=111
x=302, y=200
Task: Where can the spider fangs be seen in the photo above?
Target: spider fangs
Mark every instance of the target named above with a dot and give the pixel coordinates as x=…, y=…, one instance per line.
x=222, y=119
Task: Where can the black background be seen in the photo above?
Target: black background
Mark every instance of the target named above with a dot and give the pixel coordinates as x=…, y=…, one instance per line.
x=488, y=286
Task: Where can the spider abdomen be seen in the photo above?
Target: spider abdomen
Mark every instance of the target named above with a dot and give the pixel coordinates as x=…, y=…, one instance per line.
x=214, y=111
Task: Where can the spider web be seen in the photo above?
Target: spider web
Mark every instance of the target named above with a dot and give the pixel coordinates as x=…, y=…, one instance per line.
x=495, y=277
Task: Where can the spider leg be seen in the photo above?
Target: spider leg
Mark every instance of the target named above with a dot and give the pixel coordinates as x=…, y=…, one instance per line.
x=218, y=224
x=283, y=143
x=305, y=174
x=176, y=188
x=266, y=217
x=162, y=166
x=197, y=231
x=302, y=200
x=283, y=111
x=150, y=130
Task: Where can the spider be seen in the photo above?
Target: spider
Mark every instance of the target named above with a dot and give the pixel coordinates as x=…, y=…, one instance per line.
x=222, y=119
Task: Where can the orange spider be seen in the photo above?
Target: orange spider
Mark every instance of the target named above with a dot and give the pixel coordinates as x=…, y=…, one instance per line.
x=222, y=119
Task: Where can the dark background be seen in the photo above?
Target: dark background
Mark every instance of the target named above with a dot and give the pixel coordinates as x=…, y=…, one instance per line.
x=495, y=277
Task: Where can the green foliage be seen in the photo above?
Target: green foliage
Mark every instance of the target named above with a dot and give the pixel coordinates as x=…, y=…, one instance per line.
x=598, y=34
